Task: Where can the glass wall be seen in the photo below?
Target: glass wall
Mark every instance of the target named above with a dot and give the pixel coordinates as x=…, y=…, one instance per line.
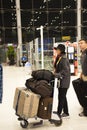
x=8, y=24
x=59, y=18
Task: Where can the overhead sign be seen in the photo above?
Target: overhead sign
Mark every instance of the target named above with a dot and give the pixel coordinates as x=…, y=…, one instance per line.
x=65, y=38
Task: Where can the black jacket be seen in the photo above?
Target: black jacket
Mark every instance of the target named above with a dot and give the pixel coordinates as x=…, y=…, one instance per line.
x=84, y=62
x=63, y=69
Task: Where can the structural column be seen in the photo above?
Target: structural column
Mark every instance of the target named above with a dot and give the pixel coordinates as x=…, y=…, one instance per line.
x=19, y=30
x=78, y=31
x=78, y=20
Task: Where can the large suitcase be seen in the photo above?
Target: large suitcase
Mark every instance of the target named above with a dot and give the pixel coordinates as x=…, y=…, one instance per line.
x=25, y=103
x=80, y=88
x=45, y=108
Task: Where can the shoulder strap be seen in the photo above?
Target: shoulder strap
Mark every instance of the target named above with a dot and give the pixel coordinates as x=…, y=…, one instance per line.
x=59, y=60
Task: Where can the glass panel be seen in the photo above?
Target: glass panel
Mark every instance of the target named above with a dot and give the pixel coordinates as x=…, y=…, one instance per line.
x=27, y=35
x=54, y=19
x=70, y=32
x=10, y=19
x=84, y=17
x=0, y=19
x=69, y=4
x=40, y=18
x=39, y=4
x=8, y=4
x=26, y=18
x=10, y=36
x=84, y=4
x=0, y=36
x=54, y=4
x=26, y=4
x=84, y=32
x=69, y=18
x=55, y=32
x=0, y=4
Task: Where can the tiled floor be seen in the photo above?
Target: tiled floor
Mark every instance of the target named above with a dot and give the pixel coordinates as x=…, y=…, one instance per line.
x=15, y=77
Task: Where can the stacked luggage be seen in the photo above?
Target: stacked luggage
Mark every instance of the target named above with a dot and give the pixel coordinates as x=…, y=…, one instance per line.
x=36, y=99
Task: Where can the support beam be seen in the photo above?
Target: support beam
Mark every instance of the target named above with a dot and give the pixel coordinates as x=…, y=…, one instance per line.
x=19, y=30
x=78, y=20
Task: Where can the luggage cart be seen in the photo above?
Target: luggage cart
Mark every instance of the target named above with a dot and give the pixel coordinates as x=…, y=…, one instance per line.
x=55, y=119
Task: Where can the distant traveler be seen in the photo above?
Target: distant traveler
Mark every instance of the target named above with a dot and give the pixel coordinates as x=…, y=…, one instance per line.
x=81, y=86
x=62, y=70
x=24, y=60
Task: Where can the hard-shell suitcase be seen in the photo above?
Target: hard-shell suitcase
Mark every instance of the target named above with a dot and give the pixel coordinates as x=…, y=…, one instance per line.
x=45, y=108
x=26, y=103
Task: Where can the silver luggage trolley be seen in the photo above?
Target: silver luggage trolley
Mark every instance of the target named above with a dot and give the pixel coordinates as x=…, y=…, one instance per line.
x=55, y=119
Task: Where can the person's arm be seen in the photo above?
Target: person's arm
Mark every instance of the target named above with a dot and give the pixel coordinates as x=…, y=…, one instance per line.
x=65, y=71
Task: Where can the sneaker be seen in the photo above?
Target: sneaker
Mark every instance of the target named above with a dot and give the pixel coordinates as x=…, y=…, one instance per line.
x=66, y=116
x=81, y=114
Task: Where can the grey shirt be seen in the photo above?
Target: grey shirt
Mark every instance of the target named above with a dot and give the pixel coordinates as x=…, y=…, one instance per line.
x=84, y=62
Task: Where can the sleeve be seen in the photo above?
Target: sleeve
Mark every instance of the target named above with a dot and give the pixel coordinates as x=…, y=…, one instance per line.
x=55, y=62
x=65, y=68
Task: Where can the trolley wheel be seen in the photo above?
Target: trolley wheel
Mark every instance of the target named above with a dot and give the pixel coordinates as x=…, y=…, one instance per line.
x=24, y=124
x=58, y=123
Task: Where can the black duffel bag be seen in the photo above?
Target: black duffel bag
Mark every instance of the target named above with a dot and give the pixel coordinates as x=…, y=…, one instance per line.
x=30, y=83
x=43, y=75
x=39, y=87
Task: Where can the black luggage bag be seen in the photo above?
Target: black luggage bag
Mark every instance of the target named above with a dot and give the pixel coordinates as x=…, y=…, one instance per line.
x=80, y=88
x=43, y=75
x=45, y=108
x=41, y=87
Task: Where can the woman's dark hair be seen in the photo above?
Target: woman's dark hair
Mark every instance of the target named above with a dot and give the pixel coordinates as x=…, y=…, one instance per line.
x=61, y=47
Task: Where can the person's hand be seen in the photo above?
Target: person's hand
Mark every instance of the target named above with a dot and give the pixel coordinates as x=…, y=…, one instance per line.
x=81, y=76
x=58, y=75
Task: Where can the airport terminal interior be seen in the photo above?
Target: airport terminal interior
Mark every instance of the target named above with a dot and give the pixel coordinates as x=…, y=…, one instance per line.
x=33, y=28
x=16, y=77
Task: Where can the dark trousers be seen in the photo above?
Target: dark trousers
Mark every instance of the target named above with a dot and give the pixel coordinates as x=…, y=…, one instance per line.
x=62, y=105
x=80, y=88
